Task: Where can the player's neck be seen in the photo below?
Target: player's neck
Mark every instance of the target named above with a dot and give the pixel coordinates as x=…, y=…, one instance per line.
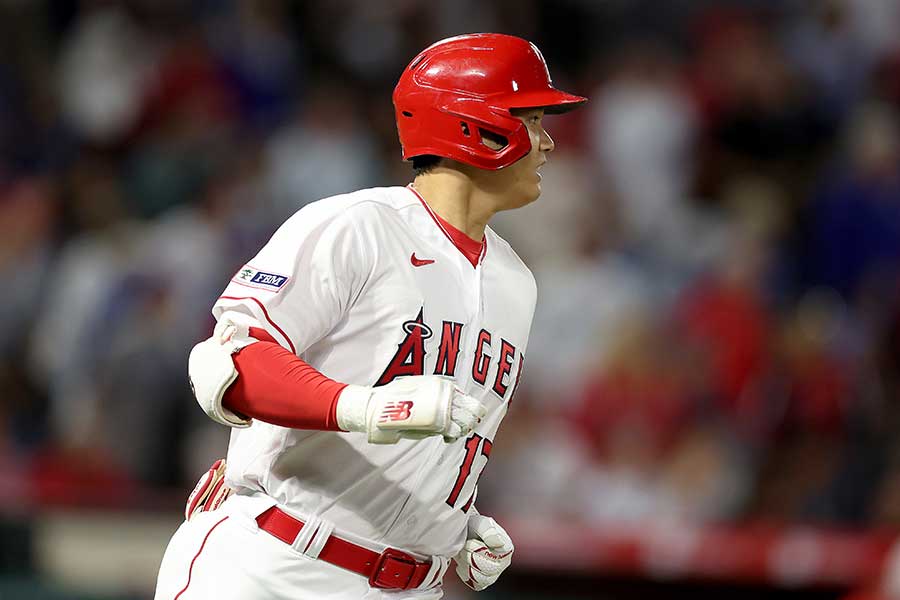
x=455, y=197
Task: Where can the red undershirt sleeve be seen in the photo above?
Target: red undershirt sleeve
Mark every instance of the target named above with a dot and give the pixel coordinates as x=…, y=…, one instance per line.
x=276, y=386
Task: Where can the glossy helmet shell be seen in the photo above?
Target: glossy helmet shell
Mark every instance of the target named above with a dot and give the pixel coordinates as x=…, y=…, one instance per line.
x=461, y=86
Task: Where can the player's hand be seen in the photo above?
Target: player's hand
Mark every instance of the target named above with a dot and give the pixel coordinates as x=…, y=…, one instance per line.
x=487, y=553
x=410, y=407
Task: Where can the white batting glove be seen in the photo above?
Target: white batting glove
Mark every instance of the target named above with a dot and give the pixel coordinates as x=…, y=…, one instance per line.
x=410, y=407
x=211, y=370
x=487, y=553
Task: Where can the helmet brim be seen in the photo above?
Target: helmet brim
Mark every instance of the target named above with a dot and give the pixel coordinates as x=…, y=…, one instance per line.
x=554, y=102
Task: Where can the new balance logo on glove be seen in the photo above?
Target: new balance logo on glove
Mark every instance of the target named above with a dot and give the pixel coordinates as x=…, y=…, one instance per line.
x=396, y=411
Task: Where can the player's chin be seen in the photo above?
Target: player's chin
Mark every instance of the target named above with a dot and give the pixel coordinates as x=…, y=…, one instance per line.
x=524, y=199
x=532, y=192
x=526, y=192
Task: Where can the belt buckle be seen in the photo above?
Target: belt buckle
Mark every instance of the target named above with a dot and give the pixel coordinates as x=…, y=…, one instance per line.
x=389, y=570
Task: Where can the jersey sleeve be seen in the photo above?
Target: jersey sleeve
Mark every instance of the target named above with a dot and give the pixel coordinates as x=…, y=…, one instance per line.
x=302, y=282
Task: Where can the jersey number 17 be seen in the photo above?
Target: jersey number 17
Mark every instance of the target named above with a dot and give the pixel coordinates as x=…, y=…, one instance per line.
x=465, y=469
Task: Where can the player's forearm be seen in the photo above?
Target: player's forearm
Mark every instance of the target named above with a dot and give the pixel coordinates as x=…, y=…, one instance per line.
x=275, y=386
x=240, y=374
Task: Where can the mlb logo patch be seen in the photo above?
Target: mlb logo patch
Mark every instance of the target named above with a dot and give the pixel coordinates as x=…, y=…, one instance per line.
x=250, y=277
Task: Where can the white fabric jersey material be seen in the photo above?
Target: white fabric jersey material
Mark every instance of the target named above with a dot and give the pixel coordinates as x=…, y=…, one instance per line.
x=365, y=287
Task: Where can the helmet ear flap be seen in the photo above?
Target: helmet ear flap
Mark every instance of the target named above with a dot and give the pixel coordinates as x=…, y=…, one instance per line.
x=492, y=140
x=489, y=134
x=488, y=138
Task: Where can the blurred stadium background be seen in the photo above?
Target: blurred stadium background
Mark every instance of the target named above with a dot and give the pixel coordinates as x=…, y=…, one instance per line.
x=712, y=398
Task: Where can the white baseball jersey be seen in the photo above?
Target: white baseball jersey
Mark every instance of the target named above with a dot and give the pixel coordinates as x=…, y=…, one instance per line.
x=367, y=287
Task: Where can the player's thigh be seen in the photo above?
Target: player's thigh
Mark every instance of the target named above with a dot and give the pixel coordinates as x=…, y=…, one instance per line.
x=189, y=542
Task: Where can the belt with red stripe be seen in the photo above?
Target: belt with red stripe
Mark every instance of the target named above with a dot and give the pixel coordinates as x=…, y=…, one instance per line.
x=392, y=569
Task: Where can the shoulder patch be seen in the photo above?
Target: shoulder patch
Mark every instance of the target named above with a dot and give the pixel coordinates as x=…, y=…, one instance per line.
x=251, y=277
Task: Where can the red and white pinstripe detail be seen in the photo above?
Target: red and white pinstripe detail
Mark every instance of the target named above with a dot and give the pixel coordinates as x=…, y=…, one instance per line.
x=196, y=556
x=266, y=315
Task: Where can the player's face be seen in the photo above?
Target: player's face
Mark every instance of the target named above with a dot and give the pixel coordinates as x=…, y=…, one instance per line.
x=522, y=179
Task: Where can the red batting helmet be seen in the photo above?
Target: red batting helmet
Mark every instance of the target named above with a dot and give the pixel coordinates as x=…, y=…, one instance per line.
x=460, y=86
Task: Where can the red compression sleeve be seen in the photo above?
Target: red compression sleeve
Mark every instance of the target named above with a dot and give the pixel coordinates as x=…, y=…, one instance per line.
x=275, y=386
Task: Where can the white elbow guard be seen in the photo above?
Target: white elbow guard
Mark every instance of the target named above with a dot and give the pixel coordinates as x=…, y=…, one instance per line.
x=211, y=370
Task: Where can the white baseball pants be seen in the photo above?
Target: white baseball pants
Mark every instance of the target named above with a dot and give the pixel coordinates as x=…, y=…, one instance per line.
x=224, y=555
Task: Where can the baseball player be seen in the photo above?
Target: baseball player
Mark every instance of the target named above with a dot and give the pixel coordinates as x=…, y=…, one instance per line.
x=367, y=354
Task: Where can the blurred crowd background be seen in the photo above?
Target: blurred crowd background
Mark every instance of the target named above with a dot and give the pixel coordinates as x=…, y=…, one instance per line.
x=717, y=247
